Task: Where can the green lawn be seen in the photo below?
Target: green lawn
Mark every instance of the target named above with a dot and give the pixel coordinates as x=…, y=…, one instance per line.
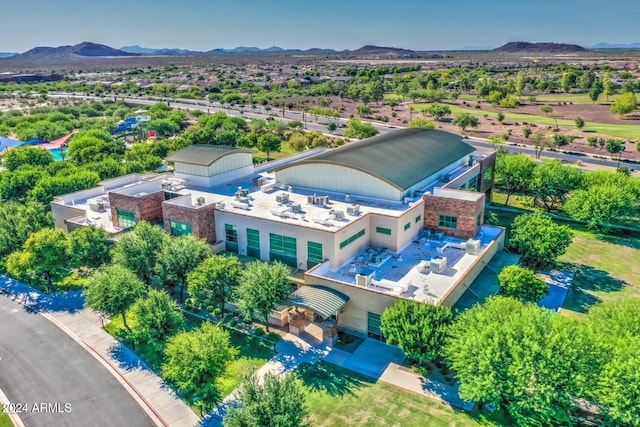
x=618, y=130
x=253, y=353
x=606, y=268
x=340, y=397
x=515, y=201
x=285, y=150
x=576, y=98
x=5, y=421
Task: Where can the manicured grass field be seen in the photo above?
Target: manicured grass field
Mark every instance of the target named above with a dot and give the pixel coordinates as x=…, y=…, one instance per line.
x=621, y=131
x=285, y=150
x=576, y=98
x=606, y=268
x=340, y=397
x=5, y=421
x=253, y=353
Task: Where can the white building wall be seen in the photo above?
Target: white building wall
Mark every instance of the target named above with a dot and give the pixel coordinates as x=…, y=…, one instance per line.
x=211, y=181
x=225, y=164
x=339, y=179
x=399, y=237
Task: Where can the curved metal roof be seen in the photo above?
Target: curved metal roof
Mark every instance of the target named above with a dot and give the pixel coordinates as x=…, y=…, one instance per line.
x=203, y=154
x=319, y=299
x=401, y=158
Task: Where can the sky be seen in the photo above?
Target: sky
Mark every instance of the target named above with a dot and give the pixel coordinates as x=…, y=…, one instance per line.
x=303, y=24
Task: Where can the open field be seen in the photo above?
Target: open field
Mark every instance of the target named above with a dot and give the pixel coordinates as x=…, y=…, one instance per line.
x=340, y=397
x=5, y=421
x=577, y=98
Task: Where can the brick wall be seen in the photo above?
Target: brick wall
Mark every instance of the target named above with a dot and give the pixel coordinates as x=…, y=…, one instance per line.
x=202, y=219
x=466, y=211
x=146, y=208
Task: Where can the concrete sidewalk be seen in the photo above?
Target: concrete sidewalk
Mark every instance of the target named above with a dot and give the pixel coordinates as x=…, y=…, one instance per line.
x=84, y=326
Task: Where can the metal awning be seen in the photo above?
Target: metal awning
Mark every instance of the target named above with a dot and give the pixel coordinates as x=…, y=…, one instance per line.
x=321, y=300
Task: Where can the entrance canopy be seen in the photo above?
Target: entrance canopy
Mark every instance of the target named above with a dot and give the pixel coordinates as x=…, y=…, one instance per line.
x=321, y=300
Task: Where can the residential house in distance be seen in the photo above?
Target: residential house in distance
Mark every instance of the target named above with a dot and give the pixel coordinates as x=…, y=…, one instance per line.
x=399, y=215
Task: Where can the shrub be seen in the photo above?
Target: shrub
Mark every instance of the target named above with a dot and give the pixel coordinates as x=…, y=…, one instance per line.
x=258, y=331
x=274, y=336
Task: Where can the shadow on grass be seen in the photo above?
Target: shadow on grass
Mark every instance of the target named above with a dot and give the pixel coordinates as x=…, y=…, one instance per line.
x=586, y=280
x=629, y=239
x=331, y=379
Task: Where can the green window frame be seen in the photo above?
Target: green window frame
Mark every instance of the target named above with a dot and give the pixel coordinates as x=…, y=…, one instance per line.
x=352, y=239
x=473, y=183
x=253, y=243
x=448, y=221
x=488, y=173
x=406, y=226
x=314, y=254
x=418, y=218
x=126, y=219
x=180, y=228
x=231, y=237
x=373, y=324
x=283, y=248
x=383, y=230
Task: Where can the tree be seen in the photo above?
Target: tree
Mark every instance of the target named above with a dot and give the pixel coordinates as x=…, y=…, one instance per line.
x=46, y=252
x=438, y=111
x=268, y=143
x=465, y=120
x=357, y=129
x=262, y=287
x=164, y=127
x=156, y=317
x=180, y=256
x=26, y=155
x=89, y=247
x=608, y=86
x=363, y=110
x=596, y=90
x=539, y=240
x=624, y=104
x=552, y=182
x=522, y=284
x=141, y=250
x=298, y=141
x=540, y=142
x=113, y=289
x=500, y=116
x=514, y=173
x=194, y=361
x=17, y=222
x=419, y=122
x=546, y=109
x=419, y=330
x=269, y=401
x=614, y=146
x=579, y=123
x=528, y=360
x=615, y=326
x=602, y=204
x=331, y=126
x=214, y=280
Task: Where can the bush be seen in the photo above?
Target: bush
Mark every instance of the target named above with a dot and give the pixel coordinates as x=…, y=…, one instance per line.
x=258, y=331
x=274, y=336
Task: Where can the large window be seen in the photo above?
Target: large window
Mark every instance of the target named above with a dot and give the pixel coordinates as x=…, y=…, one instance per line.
x=231, y=237
x=314, y=254
x=126, y=219
x=253, y=243
x=352, y=239
x=283, y=248
x=383, y=230
x=448, y=221
x=373, y=325
x=180, y=228
x=488, y=173
x=472, y=184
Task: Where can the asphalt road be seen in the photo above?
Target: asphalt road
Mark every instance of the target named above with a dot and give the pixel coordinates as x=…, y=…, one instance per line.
x=55, y=381
x=320, y=124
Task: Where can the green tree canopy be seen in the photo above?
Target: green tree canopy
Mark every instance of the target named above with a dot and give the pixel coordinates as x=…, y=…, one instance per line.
x=522, y=284
x=268, y=402
x=26, y=155
x=17, y=222
x=268, y=143
x=113, y=289
x=262, y=287
x=195, y=360
x=420, y=122
x=156, y=317
x=179, y=256
x=551, y=183
x=438, y=111
x=90, y=247
x=624, y=104
x=528, y=360
x=539, y=240
x=603, y=204
x=214, y=280
x=465, y=120
x=360, y=130
x=418, y=329
x=514, y=173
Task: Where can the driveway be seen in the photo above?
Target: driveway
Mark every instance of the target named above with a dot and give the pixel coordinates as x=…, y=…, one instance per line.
x=57, y=380
x=371, y=358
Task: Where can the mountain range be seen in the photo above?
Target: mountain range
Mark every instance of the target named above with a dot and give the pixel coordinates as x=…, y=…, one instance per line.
x=80, y=50
x=616, y=46
x=518, y=47
x=237, y=50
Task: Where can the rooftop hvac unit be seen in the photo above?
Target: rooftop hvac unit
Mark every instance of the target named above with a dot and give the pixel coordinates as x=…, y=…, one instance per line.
x=282, y=198
x=324, y=200
x=244, y=200
x=311, y=199
x=472, y=246
x=446, y=177
x=438, y=265
x=241, y=192
x=364, y=279
x=337, y=214
x=353, y=210
x=96, y=206
x=201, y=201
x=296, y=208
x=259, y=181
x=220, y=205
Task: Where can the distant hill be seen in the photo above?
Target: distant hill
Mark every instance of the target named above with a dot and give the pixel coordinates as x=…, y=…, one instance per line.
x=84, y=49
x=7, y=54
x=380, y=50
x=162, y=51
x=524, y=47
x=617, y=46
